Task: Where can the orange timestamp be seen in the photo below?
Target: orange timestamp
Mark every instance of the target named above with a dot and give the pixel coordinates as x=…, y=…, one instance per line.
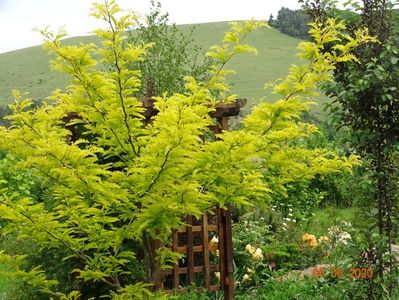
x=334, y=272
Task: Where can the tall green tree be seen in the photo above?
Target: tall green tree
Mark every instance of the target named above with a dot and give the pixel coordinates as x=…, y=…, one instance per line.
x=122, y=182
x=367, y=96
x=173, y=54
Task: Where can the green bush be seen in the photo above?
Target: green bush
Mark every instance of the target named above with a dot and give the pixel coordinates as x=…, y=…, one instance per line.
x=283, y=255
x=18, y=180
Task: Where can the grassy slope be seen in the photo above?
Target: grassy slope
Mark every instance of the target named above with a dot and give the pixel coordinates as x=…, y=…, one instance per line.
x=276, y=51
x=28, y=69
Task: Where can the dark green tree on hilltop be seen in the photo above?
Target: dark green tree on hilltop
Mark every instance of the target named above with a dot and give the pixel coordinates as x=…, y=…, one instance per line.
x=292, y=22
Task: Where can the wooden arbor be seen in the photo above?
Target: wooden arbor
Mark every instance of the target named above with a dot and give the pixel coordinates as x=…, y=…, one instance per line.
x=206, y=242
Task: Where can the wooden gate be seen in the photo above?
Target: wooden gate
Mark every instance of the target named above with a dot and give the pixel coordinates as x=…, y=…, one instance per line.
x=208, y=259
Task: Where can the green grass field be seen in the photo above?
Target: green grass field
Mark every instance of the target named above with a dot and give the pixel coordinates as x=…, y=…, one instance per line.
x=28, y=69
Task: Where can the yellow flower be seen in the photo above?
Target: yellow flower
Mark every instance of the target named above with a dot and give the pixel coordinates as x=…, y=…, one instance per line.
x=257, y=255
x=250, y=271
x=245, y=277
x=217, y=275
x=214, y=241
x=250, y=249
x=324, y=239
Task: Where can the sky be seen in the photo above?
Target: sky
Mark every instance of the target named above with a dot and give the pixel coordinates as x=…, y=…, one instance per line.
x=18, y=18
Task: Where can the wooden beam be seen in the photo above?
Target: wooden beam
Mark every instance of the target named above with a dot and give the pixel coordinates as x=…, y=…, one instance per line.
x=229, y=288
x=190, y=252
x=222, y=255
x=185, y=270
x=175, y=244
x=206, y=250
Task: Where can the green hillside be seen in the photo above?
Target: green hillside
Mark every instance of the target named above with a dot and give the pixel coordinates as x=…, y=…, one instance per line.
x=29, y=69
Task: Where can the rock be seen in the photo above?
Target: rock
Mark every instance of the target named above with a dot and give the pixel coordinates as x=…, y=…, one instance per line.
x=301, y=274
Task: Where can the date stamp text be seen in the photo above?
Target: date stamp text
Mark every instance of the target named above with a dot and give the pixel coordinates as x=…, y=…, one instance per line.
x=335, y=272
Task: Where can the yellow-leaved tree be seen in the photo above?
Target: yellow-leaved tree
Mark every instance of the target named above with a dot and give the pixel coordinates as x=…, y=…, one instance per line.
x=123, y=182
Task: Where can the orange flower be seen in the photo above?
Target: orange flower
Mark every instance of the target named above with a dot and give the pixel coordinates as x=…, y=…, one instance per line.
x=310, y=239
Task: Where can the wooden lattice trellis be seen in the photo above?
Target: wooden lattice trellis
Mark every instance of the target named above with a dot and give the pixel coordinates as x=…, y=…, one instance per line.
x=203, y=258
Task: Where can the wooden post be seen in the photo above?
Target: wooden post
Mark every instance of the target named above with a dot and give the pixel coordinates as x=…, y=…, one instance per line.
x=175, y=244
x=226, y=259
x=223, y=122
x=228, y=249
x=205, y=238
x=190, y=250
x=222, y=250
